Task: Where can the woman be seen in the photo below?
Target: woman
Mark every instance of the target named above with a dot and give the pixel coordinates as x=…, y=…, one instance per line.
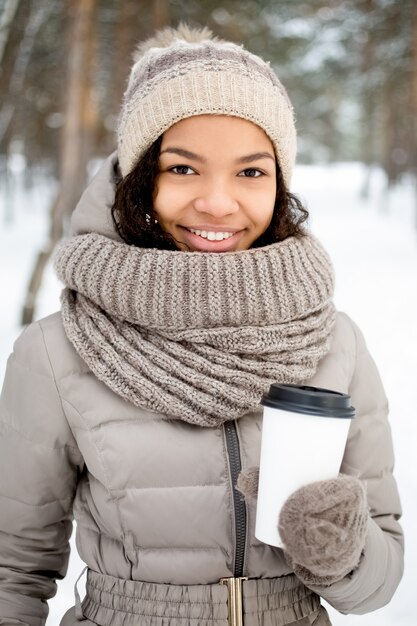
x=191, y=286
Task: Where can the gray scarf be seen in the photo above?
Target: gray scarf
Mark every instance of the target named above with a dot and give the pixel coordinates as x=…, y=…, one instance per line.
x=197, y=336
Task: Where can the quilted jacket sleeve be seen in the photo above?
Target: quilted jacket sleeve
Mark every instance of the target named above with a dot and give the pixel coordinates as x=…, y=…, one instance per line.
x=369, y=456
x=39, y=465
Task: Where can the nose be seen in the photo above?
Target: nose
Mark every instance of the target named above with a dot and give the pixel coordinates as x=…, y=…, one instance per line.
x=217, y=200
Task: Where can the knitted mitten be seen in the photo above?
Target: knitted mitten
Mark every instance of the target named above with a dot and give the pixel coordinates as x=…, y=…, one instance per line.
x=323, y=527
x=247, y=482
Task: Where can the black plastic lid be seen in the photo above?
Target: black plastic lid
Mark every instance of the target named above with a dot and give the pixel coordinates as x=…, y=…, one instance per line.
x=309, y=401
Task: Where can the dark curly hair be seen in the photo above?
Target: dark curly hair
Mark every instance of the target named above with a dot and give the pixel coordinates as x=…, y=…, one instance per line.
x=136, y=221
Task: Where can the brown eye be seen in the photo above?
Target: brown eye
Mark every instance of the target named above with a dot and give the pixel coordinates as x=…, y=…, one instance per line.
x=251, y=173
x=182, y=170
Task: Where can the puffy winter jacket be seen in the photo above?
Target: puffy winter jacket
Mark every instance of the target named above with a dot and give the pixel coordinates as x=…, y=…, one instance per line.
x=152, y=496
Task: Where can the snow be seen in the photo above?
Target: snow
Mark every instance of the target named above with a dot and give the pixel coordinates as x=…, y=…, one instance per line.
x=373, y=244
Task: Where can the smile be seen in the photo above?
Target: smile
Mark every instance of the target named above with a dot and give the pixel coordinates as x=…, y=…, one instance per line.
x=211, y=235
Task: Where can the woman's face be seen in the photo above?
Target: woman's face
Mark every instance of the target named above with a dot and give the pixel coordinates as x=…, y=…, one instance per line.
x=217, y=183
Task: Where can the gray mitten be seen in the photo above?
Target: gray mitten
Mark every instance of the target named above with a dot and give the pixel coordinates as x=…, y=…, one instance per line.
x=247, y=482
x=323, y=528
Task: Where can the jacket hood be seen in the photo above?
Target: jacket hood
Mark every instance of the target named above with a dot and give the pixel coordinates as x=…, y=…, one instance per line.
x=93, y=212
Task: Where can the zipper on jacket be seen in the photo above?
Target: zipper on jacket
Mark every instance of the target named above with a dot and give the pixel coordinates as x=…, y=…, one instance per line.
x=235, y=465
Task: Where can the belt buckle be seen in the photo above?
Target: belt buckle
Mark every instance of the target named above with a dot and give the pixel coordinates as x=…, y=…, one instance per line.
x=235, y=599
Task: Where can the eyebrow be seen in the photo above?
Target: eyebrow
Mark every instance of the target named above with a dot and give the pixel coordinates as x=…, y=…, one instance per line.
x=248, y=158
x=185, y=153
x=255, y=157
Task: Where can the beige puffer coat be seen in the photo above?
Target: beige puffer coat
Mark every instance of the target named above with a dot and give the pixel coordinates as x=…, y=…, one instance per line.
x=152, y=496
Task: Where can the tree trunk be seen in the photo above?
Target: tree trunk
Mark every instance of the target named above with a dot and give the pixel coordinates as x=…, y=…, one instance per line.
x=39, y=14
x=129, y=30
x=160, y=14
x=368, y=107
x=414, y=102
x=8, y=191
x=7, y=17
x=77, y=136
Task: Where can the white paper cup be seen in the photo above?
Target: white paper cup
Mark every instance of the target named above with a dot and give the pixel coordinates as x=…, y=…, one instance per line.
x=304, y=436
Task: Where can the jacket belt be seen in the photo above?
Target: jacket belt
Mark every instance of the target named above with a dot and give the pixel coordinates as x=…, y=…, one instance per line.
x=231, y=602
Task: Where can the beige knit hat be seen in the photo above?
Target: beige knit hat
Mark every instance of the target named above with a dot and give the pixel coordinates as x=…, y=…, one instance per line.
x=184, y=72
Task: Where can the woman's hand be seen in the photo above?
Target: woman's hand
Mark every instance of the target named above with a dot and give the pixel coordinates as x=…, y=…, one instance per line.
x=323, y=528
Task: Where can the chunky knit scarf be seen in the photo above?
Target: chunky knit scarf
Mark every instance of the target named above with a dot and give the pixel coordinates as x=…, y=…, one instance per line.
x=197, y=336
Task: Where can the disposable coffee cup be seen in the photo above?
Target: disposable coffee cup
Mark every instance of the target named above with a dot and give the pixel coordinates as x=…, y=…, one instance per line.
x=304, y=435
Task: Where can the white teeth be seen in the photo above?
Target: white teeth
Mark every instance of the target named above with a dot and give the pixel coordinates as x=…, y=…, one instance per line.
x=211, y=235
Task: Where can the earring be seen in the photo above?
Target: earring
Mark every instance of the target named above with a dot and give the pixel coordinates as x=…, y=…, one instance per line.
x=148, y=219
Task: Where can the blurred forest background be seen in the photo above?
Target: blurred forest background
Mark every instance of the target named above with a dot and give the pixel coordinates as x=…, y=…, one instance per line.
x=350, y=67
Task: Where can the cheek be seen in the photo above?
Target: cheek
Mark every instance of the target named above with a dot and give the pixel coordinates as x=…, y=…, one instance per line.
x=169, y=200
x=265, y=209
x=161, y=199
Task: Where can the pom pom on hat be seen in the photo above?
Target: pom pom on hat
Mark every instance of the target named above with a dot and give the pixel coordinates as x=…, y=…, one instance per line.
x=167, y=36
x=179, y=73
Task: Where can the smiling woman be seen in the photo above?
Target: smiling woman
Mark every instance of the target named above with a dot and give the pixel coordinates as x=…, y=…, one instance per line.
x=191, y=285
x=207, y=200
x=214, y=148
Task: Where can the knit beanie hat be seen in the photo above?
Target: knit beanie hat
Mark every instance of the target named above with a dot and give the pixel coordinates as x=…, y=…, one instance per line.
x=184, y=72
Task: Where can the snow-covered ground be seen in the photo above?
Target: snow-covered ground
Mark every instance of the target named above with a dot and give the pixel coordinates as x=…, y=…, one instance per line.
x=373, y=245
